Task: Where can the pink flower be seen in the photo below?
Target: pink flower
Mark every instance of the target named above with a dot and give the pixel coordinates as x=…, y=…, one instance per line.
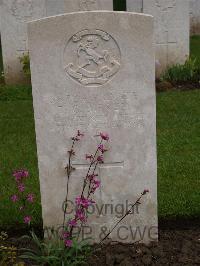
x=83, y=202
x=65, y=235
x=78, y=200
x=14, y=198
x=90, y=157
x=104, y=136
x=79, y=134
x=80, y=215
x=68, y=243
x=21, y=187
x=145, y=192
x=100, y=159
x=73, y=222
x=95, y=184
x=30, y=197
x=27, y=219
x=20, y=174
x=101, y=148
x=91, y=177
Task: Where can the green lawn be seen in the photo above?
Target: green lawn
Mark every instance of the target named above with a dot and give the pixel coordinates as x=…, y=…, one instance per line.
x=119, y=5
x=1, y=62
x=178, y=138
x=195, y=46
x=17, y=149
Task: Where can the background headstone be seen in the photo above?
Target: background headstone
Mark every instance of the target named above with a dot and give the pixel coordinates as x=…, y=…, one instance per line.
x=14, y=14
x=87, y=5
x=171, y=30
x=134, y=5
x=54, y=7
x=194, y=17
x=115, y=92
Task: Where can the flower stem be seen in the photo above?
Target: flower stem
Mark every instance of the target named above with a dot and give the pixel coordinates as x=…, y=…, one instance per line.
x=126, y=214
x=69, y=169
x=92, y=162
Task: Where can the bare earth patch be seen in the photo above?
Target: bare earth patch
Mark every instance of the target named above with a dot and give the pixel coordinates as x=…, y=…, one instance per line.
x=175, y=247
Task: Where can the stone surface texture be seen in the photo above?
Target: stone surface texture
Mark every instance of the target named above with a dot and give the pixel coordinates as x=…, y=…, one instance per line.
x=94, y=71
x=87, y=5
x=134, y=5
x=14, y=14
x=194, y=17
x=171, y=31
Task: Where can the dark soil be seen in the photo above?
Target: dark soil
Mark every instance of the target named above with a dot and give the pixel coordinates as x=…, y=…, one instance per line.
x=175, y=247
x=179, y=244
x=184, y=86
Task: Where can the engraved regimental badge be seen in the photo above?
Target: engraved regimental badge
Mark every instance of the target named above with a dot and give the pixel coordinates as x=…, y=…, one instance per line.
x=91, y=57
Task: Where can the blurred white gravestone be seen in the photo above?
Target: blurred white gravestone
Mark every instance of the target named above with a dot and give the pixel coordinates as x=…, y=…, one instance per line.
x=66, y=6
x=97, y=74
x=171, y=29
x=194, y=17
x=14, y=14
x=88, y=5
x=55, y=7
x=134, y=5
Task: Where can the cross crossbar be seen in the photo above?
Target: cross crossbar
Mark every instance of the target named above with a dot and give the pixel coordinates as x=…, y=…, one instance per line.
x=100, y=166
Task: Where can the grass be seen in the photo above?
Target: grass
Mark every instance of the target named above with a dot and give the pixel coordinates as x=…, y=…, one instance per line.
x=1, y=61
x=178, y=138
x=188, y=72
x=17, y=149
x=194, y=46
x=119, y=5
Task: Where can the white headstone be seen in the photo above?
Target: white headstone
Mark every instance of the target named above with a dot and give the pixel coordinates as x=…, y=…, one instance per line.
x=66, y=6
x=94, y=71
x=88, y=5
x=134, y=5
x=194, y=17
x=171, y=30
x=14, y=14
x=54, y=7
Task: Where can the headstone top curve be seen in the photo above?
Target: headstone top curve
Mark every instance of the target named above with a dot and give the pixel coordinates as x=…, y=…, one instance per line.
x=122, y=13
